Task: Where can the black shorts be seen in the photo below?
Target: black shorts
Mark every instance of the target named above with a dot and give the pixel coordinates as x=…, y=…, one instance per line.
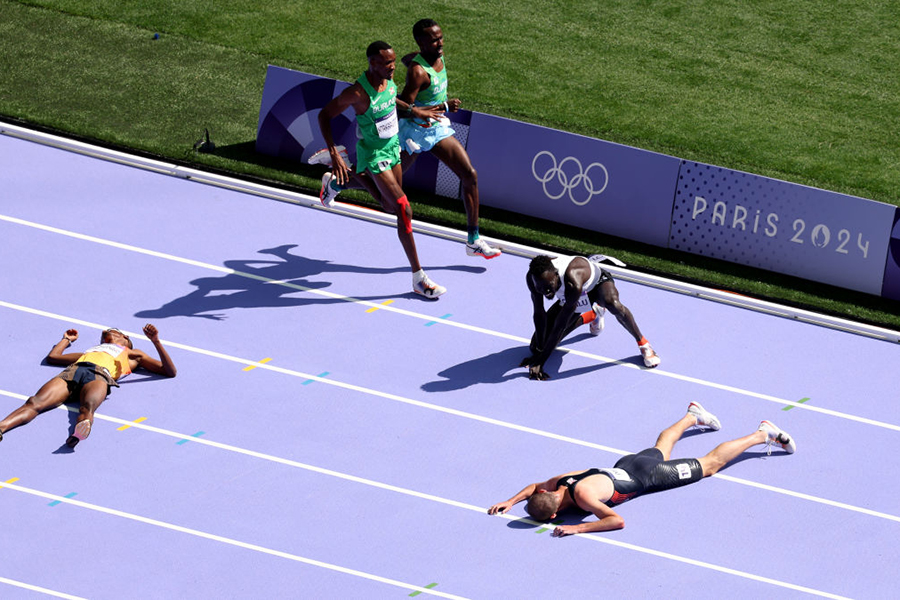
x=596, y=294
x=653, y=474
x=604, y=277
x=77, y=375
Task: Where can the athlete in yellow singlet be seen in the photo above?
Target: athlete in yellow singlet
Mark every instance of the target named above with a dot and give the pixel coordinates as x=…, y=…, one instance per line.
x=90, y=376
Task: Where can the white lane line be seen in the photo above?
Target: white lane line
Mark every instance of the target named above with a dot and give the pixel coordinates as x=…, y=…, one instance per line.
x=385, y=486
x=469, y=507
x=706, y=565
x=37, y=588
x=457, y=324
x=330, y=381
x=443, y=409
x=225, y=540
x=454, y=235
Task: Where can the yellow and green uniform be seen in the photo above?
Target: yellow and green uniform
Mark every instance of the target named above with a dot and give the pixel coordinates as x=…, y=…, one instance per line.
x=378, y=148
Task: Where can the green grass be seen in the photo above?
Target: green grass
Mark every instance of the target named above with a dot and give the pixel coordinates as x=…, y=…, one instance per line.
x=804, y=91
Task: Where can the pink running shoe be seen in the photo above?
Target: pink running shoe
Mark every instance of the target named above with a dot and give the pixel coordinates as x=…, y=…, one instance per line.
x=82, y=431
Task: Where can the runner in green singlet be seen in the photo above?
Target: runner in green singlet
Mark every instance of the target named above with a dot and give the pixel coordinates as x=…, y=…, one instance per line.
x=373, y=98
x=426, y=85
x=426, y=88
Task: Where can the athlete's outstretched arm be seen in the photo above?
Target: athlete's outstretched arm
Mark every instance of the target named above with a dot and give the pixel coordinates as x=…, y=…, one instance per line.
x=524, y=494
x=539, y=339
x=163, y=366
x=406, y=110
x=503, y=507
x=607, y=520
x=573, y=281
x=56, y=357
x=557, y=331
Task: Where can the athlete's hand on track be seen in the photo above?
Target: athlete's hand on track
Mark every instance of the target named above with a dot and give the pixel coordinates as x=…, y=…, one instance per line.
x=71, y=335
x=500, y=507
x=564, y=530
x=537, y=372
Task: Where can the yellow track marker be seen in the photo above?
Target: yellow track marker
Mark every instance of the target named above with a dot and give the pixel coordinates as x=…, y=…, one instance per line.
x=385, y=303
x=139, y=420
x=13, y=480
x=262, y=362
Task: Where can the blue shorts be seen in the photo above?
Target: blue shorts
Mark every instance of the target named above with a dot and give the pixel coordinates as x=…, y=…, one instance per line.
x=418, y=136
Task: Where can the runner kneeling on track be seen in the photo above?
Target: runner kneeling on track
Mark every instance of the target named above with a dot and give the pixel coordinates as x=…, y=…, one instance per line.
x=584, y=291
x=648, y=471
x=90, y=377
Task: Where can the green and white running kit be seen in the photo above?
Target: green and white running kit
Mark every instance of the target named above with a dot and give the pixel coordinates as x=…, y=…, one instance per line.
x=378, y=148
x=417, y=135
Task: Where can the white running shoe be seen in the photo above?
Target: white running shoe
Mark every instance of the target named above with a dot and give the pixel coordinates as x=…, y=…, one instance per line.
x=703, y=416
x=329, y=190
x=427, y=288
x=651, y=359
x=597, y=324
x=774, y=435
x=480, y=248
x=323, y=156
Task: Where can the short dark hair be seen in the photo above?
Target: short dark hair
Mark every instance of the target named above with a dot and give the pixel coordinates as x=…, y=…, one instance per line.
x=376, y=47
x=541, y=507
x=539, y=265
x=421, y=25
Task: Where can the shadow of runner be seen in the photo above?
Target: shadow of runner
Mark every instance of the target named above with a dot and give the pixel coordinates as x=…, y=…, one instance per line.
x=495, y=368
x=255, y=284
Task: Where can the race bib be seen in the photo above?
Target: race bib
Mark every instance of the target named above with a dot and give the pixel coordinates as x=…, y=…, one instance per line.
x=387, y=126
x=583, y=304
x=113, y=350
x=684, y=471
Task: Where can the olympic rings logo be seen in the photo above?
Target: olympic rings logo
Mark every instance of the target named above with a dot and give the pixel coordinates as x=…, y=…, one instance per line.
x=568, y=176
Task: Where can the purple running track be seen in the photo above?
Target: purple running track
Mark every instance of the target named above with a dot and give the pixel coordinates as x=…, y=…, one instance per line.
x=359, y=460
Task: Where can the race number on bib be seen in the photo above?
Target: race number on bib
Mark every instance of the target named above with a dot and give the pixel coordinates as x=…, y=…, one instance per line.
x=684, y=471
x=387, y=126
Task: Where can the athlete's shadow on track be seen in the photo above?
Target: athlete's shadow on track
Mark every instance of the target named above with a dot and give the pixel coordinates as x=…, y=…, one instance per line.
x=253, y=285
x=496, y=367
x=572, y=516
x=747, y=455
